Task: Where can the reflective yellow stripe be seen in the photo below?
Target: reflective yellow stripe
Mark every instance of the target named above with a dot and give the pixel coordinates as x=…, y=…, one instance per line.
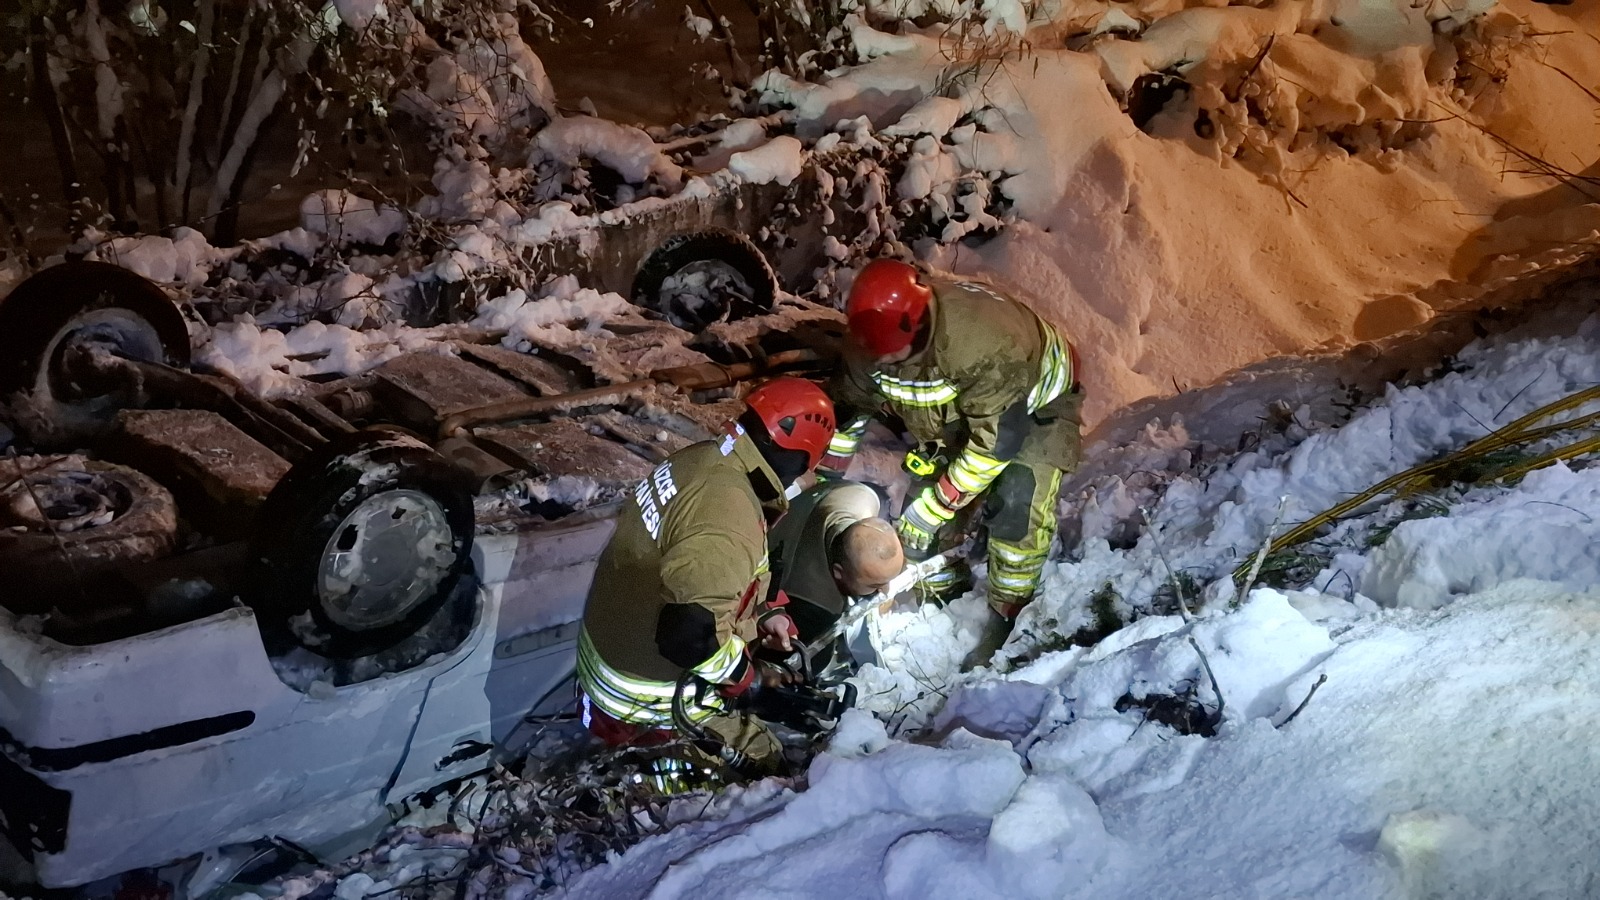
x=847, y=439
x=936, y=392
x=972, y=471
x=642, y=701
x=928, y=511
x=1013, y=571
x=720, y=666
x=1055, y=370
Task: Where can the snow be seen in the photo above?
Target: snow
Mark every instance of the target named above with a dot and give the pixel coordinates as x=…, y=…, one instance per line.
x=629, y=151
x=343, y=217
x=271, y=362
x=700, y=26
x=555, y=319
x=780, y=160
x=1346, y=191
x=1170, y=257
x=358, y=14
x=184, y=258
x=1442, y=753
x=1539, y=531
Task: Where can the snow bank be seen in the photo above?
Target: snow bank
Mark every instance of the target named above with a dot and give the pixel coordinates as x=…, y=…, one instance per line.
x=1361, y=753
x=1542, y=530
x=1269, y=206
x=1443, y=756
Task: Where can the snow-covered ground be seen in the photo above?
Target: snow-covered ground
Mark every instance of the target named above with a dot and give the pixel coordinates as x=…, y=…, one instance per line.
x=1326, y=171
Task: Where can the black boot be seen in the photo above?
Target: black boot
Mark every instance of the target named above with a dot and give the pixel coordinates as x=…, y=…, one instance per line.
x=996, y=628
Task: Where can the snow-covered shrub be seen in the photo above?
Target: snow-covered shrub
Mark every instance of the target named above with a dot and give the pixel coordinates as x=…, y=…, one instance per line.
x=157, y=109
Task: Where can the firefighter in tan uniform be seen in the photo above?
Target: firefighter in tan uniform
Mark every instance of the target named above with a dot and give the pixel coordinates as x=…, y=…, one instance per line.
x=989, y=390
x=680, y=592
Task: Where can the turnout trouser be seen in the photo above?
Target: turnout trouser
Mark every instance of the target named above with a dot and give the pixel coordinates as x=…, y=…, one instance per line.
x=681, y=764
x=1019, y=509
x=1020, y=515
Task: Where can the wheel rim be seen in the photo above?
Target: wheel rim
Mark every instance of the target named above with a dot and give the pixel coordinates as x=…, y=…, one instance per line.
x=392, y=552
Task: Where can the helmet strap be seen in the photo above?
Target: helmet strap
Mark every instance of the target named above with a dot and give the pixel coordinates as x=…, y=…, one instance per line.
x=786, y=463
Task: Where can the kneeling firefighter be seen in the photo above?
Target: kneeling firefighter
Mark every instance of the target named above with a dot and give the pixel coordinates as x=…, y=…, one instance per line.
x=989, y=391
x=681, y=590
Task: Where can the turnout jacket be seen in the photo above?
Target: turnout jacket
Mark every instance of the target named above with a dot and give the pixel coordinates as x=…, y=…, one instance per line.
x=986, y=379
x=692, y=536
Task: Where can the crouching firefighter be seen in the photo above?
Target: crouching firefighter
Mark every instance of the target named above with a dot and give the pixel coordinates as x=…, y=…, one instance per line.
x=988, y=391
x=680, y=592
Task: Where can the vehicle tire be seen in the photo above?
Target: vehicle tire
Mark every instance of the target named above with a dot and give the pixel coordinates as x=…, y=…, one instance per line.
x=65, y=521
x=369, y=535
x=68, y=303
x=702, y=277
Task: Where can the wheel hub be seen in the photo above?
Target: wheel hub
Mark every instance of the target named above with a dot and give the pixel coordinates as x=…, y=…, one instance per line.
x=116, y=330
x=701, y=293
x=389, y=554
x=62, y=502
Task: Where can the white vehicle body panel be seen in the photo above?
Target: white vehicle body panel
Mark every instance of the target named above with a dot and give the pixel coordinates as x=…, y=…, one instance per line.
x=184, y=739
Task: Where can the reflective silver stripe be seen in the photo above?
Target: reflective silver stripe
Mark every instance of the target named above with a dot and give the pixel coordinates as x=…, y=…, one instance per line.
x=644, y=702
x=1015, y=571
x=847, y=439
x=1055, y=370
x=936, y=392
x=973, y=471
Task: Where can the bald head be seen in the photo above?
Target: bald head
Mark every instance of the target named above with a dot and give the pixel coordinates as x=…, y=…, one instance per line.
x=868, y=557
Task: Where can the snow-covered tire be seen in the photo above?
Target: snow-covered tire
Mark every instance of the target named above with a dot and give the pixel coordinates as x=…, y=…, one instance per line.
x=65, y=521
x=741, y=282
x=369, y=536
x=73, y=301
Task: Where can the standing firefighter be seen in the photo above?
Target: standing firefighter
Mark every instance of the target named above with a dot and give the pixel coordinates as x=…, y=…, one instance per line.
x=981, y=381
x=680, y=590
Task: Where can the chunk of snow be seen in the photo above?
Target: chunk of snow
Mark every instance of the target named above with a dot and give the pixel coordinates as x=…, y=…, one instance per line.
x=343, y=218
x=629, y=151
x=781, y=159
x=358, y=14
x=700, y=26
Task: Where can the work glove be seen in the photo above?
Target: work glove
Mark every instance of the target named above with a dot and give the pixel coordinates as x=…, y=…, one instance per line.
x=925, y=516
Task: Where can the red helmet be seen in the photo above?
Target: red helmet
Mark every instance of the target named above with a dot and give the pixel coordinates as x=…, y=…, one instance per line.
x=796, y=414
x=886, y=306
